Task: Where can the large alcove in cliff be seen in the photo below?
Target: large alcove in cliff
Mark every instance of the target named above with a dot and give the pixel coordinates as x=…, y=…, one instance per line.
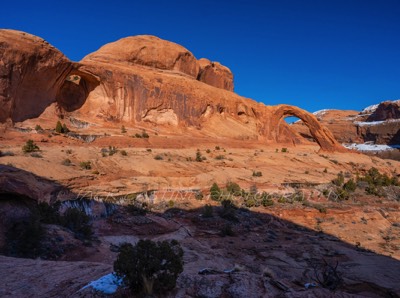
x=75, y=90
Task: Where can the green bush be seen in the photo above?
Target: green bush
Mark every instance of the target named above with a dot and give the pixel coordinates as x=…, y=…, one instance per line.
x=38, y=128
x=24, y=238
x=78, y=222
x=228, y=210
x=350, y=185
x=207, y=211
x=284, y=150
x=150, y=267
x=198, y=156
x=339, y=180
x=257, y=174
x=66, y=162
x=233, y=188
x=85, y=165
x=61, y=128
x=215, y=192
x=30, y=146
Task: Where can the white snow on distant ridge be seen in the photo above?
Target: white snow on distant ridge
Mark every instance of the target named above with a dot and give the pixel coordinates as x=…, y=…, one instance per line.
x=370, y=147
x=321, y=112
x=372, y=108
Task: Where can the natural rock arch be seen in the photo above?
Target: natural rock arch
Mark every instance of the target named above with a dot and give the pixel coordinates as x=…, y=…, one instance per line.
x=321, y=134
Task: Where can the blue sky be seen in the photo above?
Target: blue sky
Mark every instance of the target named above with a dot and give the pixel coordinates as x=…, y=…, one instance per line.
x=312, y=54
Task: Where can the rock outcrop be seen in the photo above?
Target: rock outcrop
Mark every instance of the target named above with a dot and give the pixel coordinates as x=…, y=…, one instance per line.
x=215, y=74
x=31, y=73
x=149, y=51
x=379, y=124
x=143, y=81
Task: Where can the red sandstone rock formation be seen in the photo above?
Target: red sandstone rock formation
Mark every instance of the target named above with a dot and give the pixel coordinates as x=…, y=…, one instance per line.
x=31, y=73
x=215, y=74
x=144, y=81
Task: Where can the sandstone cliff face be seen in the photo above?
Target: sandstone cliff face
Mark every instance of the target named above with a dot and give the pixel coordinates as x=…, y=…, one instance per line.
x=31, y=73
x=143, y=81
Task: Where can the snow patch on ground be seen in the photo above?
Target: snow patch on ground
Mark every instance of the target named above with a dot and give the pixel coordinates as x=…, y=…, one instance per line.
x=107, y=284
x=372, y=123
x=370, y=147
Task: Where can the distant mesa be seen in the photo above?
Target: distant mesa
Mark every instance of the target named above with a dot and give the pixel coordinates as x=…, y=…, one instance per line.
x=144, y=81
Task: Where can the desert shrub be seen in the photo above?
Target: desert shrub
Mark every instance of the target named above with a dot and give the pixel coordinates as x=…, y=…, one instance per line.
x=215, y=192
x=266, y=200
x=66, y=162
x=78, y=222
x=350, y=185
x=148, y=150
x=198, y=156
x=158, y=157
x=228, y=210
x=65, y=129
x=30, y=146
x=124, y=153
x=24, y=237
x=217, y=148
x=38, y=128
x=199, y=195
x=150, y=267
x=49, y=214
x=61, y=128
x=284, y=150
x=233, y=188
x=325, y=170
x=123, y=129
x=208, y=151
x=145, y=135
x=207, y=211
x=257, y=174
x=112, y=150
x=220, y=157
x=138, y=135
x=250, y=202
x=85, y=165
x=68, y=151
x=339, y=180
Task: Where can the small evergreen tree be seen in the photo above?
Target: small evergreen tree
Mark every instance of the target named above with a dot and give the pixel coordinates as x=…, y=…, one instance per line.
x=30, y=146
x=215, y=192
x=59, y=127
x=150, y=266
